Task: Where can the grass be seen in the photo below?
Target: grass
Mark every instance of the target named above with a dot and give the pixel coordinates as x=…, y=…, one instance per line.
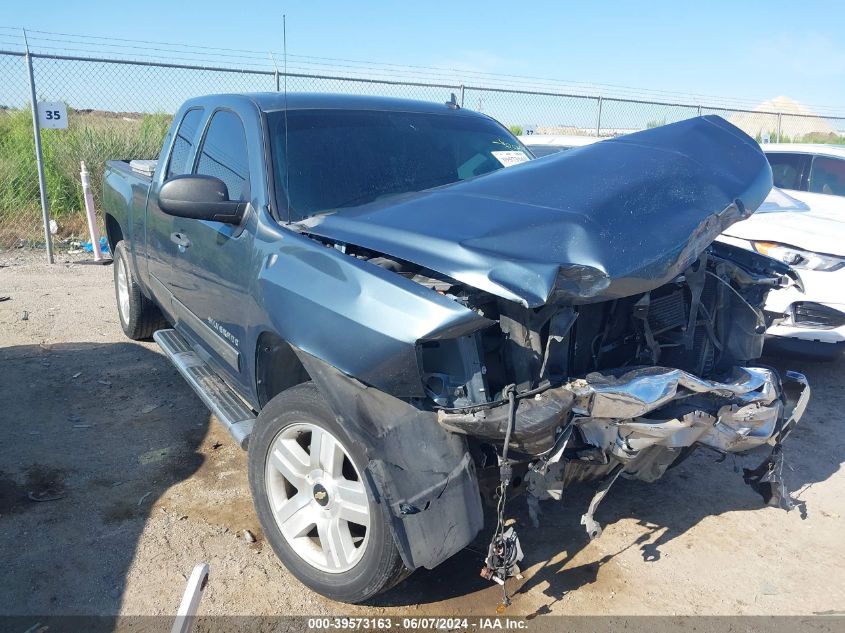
x=90, y=137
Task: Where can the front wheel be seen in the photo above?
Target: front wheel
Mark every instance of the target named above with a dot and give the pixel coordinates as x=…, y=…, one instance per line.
x=307, y=486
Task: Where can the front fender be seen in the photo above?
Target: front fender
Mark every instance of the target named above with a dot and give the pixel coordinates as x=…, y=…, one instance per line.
x=421, y=475
x=355, y=316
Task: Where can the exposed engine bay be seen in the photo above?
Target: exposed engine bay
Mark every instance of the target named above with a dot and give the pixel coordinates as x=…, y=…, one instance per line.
x=625, y=387
x=633, y=381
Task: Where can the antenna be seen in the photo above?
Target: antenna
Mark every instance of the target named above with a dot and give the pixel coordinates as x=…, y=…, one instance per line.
x=285, y=54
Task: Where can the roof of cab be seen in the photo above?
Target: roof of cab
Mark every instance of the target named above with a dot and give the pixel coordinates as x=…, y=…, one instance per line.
x=275, y=101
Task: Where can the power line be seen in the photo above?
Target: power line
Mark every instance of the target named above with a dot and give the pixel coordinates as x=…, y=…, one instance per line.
x=99, y=45
x=382, y=68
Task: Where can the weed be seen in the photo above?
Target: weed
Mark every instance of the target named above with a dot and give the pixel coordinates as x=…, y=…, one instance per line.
x=93, y=137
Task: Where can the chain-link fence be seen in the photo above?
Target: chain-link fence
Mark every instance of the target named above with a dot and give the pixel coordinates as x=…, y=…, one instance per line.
x=122, y=109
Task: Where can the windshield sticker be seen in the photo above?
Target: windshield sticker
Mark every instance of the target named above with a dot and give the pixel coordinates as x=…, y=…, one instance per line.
x=509, y=159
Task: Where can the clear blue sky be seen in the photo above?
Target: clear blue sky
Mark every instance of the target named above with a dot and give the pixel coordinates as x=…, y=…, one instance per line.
x=747, y=50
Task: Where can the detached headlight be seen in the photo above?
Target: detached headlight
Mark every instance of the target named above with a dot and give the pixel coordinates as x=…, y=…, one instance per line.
x=797, y=258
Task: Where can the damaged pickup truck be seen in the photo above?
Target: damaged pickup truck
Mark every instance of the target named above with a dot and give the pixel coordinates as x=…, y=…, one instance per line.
x=400, y=330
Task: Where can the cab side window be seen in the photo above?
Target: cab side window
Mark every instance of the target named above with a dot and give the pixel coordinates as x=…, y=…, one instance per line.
x=184, y=143
x=828, y=176
x=224, y=155
x=786, y=169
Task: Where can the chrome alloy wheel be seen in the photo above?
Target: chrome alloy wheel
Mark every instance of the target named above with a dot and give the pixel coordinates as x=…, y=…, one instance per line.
x=122, y=290
x=317, y=497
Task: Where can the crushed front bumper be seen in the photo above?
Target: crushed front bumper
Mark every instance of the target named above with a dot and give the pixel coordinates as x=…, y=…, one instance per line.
x=645, y=416
x=659, y=407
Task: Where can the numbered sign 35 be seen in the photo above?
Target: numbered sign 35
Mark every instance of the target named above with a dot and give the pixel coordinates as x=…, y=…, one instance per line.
x=52, y=114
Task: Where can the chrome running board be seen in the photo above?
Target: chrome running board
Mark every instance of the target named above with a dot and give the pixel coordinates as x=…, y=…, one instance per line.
x=223, y=402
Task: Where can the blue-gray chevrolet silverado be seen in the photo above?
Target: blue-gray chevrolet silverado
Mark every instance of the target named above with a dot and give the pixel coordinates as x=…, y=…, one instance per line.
x=404, y=316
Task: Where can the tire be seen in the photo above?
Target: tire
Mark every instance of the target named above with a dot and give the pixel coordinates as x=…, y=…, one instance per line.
x=139, y=316
x=329, y=490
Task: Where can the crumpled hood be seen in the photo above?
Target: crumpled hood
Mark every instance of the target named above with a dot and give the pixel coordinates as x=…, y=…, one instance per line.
x=810, y=224
x=604, y=221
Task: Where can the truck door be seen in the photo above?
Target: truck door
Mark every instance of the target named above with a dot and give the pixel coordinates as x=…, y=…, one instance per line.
x=212, y=270
x=162, y=249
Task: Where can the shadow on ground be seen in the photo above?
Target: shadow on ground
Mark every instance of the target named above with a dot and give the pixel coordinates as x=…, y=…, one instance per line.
x=93, y=436
x=698, y=488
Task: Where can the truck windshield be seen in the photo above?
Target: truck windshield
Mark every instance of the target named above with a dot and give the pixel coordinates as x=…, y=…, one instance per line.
x=346, y=158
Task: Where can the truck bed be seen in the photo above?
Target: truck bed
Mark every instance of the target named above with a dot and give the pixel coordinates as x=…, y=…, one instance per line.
x=130, y=169
x=125, y=199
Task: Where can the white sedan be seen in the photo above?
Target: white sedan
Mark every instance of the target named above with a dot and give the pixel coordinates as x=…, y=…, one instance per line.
x=809, y=235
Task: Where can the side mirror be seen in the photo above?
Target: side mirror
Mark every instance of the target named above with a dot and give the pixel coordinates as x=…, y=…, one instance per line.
x=199, y=198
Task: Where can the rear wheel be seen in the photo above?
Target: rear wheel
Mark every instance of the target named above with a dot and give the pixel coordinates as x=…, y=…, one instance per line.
x=306, y=479
x=139, y=317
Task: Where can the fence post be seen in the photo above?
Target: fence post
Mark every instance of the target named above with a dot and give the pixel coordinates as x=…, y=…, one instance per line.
x=462, y=95
x=779, y=114
x=276, y=75
x=39, y=157
x=699, y=109
x=598, y=118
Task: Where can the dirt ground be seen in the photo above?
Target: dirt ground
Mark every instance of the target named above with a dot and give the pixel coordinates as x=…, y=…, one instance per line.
x=138, y=484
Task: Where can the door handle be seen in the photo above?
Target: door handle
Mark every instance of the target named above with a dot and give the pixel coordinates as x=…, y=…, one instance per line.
x=181, y=240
